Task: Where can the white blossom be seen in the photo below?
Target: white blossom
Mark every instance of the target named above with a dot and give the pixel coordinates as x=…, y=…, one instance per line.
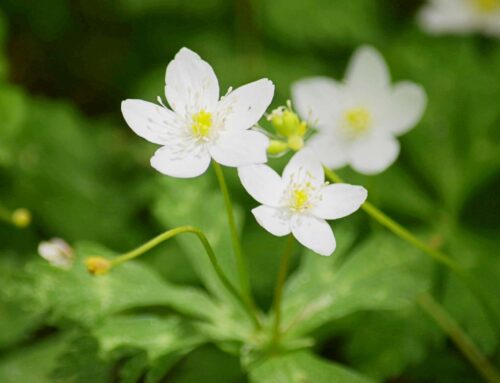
x=300, y=201
x=359, y=119
x=200, y=126
x=461, y=17
x=57, y=252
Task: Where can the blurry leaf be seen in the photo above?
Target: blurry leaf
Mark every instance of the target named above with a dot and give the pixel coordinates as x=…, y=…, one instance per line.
x=193, y=202
x=382, y=273
x=157, y=336
x=31, y=363
x=81, y=363
x=321, y=23
x=12, y=110
x=384, y=344
x=78, y=296
x=303, y=367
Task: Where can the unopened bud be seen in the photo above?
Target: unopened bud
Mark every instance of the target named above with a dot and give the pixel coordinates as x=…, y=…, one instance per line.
x=276, y=147
x=57, y=252
x=97, y=265
x=21, y=218
x=296, y=143
x=287, y=122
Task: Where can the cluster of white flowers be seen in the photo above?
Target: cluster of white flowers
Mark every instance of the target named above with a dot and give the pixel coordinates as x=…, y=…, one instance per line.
x=461, y=17
x=357, y=122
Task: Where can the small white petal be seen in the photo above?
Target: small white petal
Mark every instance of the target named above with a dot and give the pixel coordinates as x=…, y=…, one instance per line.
x=373, y=154
x=317, y=100
x=304, y=162
x=314, y=233
x=190, y=84
x=406, y=107
x=244, y=107
x=276, y=221
x=262, y=183
x=339, y=200
x=184, y=164
x=239, y=148
x=441, y=16
x=148, y=120
x=367, y=71
x=330, y=149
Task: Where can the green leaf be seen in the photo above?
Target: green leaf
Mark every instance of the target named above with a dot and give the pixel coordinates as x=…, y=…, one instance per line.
x=157, y=336
x=193, y=202
x=32, y=363
x=380, y=274
x=83, y=298
x=303, y=367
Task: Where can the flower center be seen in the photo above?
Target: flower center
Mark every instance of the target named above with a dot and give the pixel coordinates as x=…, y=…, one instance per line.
x=202, y=123
x=487, y=6
x=358, y=120
x=300, y=199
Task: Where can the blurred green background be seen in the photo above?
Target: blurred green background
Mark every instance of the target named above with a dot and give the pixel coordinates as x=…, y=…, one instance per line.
x=67, y=155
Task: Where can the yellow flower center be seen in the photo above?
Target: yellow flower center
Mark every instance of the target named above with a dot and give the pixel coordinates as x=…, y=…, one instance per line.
x=358, y=120
x=487, y=6
x=202, y=122
x=300, y=199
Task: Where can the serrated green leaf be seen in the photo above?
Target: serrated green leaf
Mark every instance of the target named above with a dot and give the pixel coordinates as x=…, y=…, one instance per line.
x=78, y=296
x=303, y=367
x=380, y=274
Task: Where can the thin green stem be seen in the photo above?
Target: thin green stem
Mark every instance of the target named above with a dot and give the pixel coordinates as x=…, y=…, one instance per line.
x=213, y=259
x=459, y=337
x=437, y=255
x=240, y=261
x=278, y=292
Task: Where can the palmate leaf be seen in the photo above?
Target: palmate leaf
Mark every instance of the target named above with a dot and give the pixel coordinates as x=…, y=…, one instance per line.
x=381, y=273
x=303, y=367
x=78, y=296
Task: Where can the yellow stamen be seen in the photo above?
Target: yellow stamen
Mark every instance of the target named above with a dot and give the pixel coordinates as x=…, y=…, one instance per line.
x=358, y=120
x=487, y=6
x=202, y=122
x=300, y=199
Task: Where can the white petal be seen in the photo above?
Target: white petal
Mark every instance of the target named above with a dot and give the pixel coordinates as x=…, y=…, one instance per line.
x=314, y=233
x=406, y=107
x=339, y=200
x=330, y=150
x=304, y=162
x=190, y=84
x=373, y=154
x=276, y=221
x=317, y=100
x=447, y=16
x=367, y=71
x=150, y=121
x=262, y=183
x=186, y=164
x=243, y=147
x=244, y=107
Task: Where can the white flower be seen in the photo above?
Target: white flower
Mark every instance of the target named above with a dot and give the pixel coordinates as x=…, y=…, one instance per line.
x=461, y=17
x=300, y=201
x=57, y=252
x=358, y=120
x=199, y=126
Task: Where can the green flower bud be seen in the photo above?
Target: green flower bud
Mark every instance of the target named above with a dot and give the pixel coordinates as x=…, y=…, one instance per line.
x=276, y=147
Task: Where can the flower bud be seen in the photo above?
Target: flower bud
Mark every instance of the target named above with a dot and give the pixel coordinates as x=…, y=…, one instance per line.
x=276, y=147
x=288, y=124
x=295, y=143
x=97, y=265
x=57, y=252
x=21, y=218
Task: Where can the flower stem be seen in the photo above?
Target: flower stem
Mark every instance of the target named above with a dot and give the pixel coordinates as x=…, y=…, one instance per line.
x=213, y=259
x=240, y=262
x=278, y=292
x=459, y=337
x=437, y=255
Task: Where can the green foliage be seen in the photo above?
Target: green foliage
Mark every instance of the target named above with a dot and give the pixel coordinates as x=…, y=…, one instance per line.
x=303, y=367
x=85, y=176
